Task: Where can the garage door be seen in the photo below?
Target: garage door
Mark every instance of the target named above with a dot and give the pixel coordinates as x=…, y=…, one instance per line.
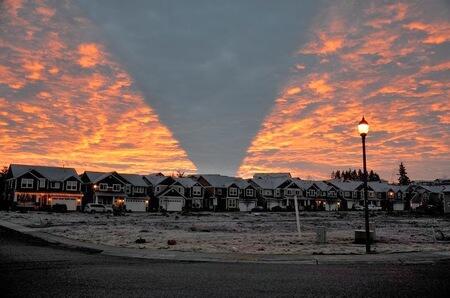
x=70, y=203
x=135, y=205
x=173, y=204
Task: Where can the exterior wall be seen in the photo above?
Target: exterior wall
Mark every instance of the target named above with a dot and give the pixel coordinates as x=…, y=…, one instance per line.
x=398, y=206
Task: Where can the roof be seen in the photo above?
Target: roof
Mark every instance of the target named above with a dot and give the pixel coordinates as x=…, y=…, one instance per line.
x=272, y=175
x=186, y=181
x=269, y=182
x=345, y=185
x=378, y=186
x=134, y=179
x=433, y=189
x=51, y=173
x=94, y=176
x=217, y=180
x=155, y=179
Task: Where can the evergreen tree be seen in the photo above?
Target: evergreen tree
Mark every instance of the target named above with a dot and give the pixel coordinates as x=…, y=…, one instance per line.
x=360, y=175
x=338, y=174
x=403, y=178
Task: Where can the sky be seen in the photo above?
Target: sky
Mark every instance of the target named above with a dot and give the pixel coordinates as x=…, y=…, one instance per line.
x=230, y=87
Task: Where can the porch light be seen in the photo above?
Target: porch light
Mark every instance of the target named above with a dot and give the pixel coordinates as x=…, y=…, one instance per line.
x=363, y=127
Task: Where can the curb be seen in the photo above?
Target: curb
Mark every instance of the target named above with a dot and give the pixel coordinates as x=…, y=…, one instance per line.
x=181, y=256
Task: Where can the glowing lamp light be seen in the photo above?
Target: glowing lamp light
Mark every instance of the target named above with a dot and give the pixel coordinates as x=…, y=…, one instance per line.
x=95, y=186
x=363, y=127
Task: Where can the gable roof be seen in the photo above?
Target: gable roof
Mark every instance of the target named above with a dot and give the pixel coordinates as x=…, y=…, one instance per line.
x=154, y=180
x=269, y=182
x=95, y=177
x=51, y=173
x=378, y=186
x=171, y=192
x=272, y=175
x=186, y=181
x=134, y=179
x=216, y=180
x=345, y=185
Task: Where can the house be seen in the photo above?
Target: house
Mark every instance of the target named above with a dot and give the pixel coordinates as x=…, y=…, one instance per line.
x=446, y=191
x=348, y=192
x=193, y=191
x=137, y=192
x=183, y=193
x=228, y=193
x=40, y=187
x=158, y=184
x=400, y=197
x=426, y=195
x=386, y=193
x=108, y=188
x=269, y=189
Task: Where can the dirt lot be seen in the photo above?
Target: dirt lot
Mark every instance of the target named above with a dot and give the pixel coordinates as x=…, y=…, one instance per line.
x=243, y=232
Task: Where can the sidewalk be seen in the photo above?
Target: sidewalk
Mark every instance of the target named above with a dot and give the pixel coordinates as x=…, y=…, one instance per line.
x=172, y=255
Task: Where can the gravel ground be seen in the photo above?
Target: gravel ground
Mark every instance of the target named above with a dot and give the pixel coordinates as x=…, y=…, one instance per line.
x=271, y=233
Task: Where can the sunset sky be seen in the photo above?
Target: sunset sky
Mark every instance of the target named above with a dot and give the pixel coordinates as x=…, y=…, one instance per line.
x=231, y=87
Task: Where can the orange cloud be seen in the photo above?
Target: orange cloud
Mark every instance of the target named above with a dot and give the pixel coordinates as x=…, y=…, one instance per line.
x=88, y=117
x=385, y=67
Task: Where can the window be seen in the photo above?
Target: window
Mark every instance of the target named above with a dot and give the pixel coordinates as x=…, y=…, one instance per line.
x=267, y=192
x=311, y=193
x=157, y=189
x=233, y=191
x=218, y=191
x=103, y=186
x=116, y=187
x=347, y=194
x=277, y=192
x=71, y=185
x=249, y=192
x=289, y=192
x=128, y=188
x=324, y=193
x=355, y=194
x=56, y=185
x=26, y=183
x=332, y=193
x=42, y=182
x=233, y=203
x=138, y=189
x=197, y=191
x=371, y=194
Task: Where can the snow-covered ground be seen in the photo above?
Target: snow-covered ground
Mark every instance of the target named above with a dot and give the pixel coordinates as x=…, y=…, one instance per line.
x=242, y=232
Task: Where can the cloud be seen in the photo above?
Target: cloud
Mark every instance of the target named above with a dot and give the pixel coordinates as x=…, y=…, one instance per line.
x=383, y=67
x=66, y=99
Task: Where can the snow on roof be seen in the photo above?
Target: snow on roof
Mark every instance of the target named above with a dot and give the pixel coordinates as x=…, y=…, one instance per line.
x=378, y=186
x=217, y=180
x=94, y=176
x=51, y=173
x=272, y=175
x=155, y=179
x=345, y=185
x=433, y=189
x=186, y=181
x=134, y=179
x=269, y=182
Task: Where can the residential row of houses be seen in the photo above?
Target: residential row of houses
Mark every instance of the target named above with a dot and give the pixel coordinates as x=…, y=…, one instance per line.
x=42, y=187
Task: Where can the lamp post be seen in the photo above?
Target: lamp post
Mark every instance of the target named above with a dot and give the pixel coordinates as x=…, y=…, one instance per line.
x=363, y=129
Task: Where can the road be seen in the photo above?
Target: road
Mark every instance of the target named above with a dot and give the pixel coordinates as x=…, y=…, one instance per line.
x=31, y=268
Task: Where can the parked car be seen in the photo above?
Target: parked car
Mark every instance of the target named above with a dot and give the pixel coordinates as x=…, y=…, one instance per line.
x=373, y=207
x=358, y=207
x=258, y=209
x=97, y=208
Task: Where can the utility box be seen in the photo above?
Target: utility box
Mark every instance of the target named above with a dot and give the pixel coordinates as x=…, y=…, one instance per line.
x=360, y=236
x=321, y=235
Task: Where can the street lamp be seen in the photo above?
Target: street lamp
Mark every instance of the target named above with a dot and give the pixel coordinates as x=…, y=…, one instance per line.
x=363, y=129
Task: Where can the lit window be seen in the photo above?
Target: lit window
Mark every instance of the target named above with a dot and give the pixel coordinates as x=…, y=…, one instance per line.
x=26, y=183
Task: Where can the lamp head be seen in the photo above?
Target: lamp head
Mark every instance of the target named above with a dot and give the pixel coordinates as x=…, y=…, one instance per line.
x=363, y=127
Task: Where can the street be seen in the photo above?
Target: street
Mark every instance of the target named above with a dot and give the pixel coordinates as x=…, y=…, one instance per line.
x=31, y=268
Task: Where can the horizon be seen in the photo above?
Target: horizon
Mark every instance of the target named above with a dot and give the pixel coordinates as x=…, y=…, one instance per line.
x=178, y=87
